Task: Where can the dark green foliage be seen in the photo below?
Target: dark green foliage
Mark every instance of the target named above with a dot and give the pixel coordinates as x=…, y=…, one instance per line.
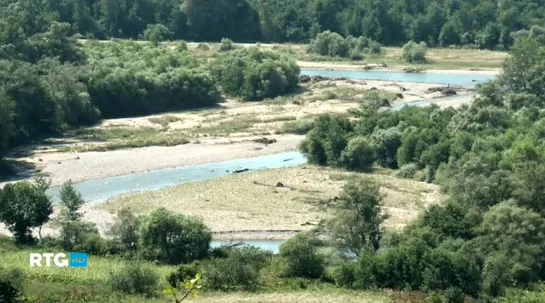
x=301, y=257
x=326, y=141
x=391, y=22
x=254, y=75
x=134, y=278
x=238, y=271
x=24, y=206
x=162, y=81
x=358, y=154
x=182, y=274
x=173, y=238
x=157, y=33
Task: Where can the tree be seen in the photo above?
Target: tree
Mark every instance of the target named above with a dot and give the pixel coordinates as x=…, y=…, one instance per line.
x=356, y=225
x=513, y=239
x=125, y=230
x=386, y=144
x=157, y=33
x=173, y=238
x=71, y=201
x=524, y=70
x=413, y=52
x=358, y=155
x=73, y=231
x=24, y=206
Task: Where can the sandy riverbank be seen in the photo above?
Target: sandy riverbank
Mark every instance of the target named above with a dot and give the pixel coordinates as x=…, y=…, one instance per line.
x=78, y=167
x=378, y=68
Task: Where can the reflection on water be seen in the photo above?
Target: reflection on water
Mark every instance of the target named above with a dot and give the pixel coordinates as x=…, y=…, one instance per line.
x=468, y=81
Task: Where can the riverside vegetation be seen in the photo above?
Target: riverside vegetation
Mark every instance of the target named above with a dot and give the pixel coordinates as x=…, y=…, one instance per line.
x=486, y=243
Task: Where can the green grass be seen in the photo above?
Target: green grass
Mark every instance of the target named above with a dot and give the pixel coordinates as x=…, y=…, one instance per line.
x=299, y=127
x=123, y=137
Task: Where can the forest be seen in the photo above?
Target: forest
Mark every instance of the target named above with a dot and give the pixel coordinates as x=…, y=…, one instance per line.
x=481, y=24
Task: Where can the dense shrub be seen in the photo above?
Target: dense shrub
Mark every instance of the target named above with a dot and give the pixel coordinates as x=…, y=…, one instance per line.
x=254, y=75
x=157, y=33
x=238, y=271
x=226, y=45
x=326, y=141
x=334, y=45
x=407, y=171
x=301, y=257
x=358, y=154
x=413, y=52
x=162, y=81
x=182, y=274
x=134, y=278
x=173, y=238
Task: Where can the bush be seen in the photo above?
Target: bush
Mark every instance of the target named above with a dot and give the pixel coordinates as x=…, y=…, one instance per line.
x=182, y=46
x=334, y=45
x=157, y=33
x=182, y=274
x=174, y=238
x=134, y=278
x=358, y=155
x=226, y=45
x=254, y=75
x=344, y=275
x=407, y=171
x=413, y=52
x=301, y=257
x=239, y=271
x=203, y=46
x=374, y=47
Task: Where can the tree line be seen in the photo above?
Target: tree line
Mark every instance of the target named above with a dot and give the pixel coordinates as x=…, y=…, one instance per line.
x=482, y=24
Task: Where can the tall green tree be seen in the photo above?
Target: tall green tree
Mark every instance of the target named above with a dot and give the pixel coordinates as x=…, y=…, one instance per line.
x=24, y=206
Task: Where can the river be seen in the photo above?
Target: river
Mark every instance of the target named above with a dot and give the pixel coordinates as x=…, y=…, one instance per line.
x=96, y=191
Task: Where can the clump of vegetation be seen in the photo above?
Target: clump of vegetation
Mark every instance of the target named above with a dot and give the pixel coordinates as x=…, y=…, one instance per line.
x=238, y=271
x=302, y=259
x=226, y=44
x=299, y=127
x=173, y=238
x=134, y=278
x=24, y=206
x=414, y=53
x=254, y=75
x=156, y=33
x=334, y=45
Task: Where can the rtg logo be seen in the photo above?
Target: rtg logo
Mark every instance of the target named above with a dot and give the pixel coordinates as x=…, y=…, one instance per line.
x=74, y=260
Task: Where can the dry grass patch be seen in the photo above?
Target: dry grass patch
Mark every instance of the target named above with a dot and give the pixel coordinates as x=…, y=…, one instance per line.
x=252, y=201
x=164, y=121
x=307, y=296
